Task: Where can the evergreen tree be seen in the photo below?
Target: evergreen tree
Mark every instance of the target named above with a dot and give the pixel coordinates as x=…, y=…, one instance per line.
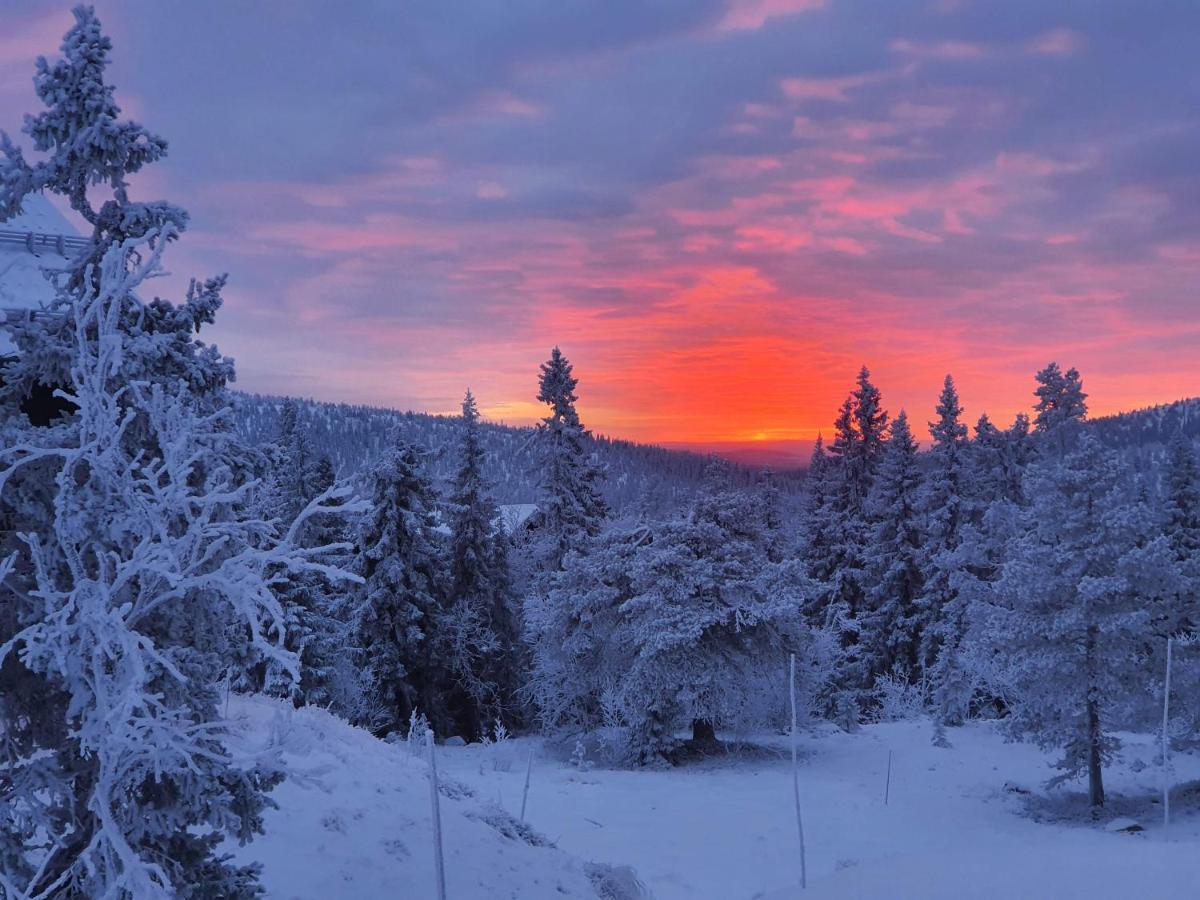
x=672, y=625
x=571, y=508
x=942, y=503
x=1063, y=634
x=871, y=421
x=395, y=625
x=888, y=632
x=1060, y=398
x=294, y=467
x=482, y=631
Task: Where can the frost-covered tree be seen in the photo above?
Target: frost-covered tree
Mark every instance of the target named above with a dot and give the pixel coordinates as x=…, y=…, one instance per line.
x=136, y=569
x=673, y=625
x=396, y=623
x=313, y=628
x=294, y=467
x=889, y=635
x=571, y=508
x=118, y=783
x=1181, y=505
x=870, y=433
x=991, y=500
x=88, y=145
x=1060, y=398
x=1062, y=638
x=88, y=148
x=481, y=631
x=942, y=502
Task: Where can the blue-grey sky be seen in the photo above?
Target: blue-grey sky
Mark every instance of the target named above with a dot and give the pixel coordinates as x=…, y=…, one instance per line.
x=718, y=209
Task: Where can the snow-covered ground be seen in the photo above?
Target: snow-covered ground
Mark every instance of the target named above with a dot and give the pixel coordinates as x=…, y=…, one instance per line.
x=952, y=826
x=354, y=822
x=955, y=825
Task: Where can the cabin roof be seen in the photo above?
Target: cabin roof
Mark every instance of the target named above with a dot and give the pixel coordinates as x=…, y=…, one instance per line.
x=40, y=238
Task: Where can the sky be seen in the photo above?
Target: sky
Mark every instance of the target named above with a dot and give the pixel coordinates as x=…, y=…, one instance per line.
x=719, y=209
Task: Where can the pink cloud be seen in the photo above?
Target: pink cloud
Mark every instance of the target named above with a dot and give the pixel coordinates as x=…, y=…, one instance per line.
x=751, y=15
x=1058, y=42
x=939, y=50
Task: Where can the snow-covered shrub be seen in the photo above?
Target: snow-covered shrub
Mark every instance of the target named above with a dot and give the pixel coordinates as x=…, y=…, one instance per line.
x=497, y=745
x=897, y=698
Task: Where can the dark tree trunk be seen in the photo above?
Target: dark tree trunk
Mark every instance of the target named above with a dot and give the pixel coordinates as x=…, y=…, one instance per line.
x=1095, y=776
x=703, y=734
x=1094, y=736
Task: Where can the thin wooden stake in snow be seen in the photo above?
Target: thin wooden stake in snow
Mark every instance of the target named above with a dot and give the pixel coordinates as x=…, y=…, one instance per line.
x=525, y=793
x=887, y=785
x=796, y=774
x=1166, y=744
x=439, y=862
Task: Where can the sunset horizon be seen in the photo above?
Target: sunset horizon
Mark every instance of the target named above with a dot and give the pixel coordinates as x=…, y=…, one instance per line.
x=719, y=211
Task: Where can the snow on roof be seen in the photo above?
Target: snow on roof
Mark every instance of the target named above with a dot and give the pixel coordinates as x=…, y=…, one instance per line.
x=513, y=515
x=38, y=239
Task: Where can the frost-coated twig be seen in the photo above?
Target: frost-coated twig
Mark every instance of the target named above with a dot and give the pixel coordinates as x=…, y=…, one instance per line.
x=796, y=774
x=1166, y=746
x=439, y=862
x=525, y=793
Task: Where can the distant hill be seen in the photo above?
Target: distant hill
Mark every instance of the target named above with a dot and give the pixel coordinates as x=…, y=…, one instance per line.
x=1151, y=425
x=641, y=477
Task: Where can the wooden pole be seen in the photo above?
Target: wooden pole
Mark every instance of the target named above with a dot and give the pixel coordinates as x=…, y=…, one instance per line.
x=887, y=785
x=1166, y=743
x=439, y=862
x=525, y=793
x=796, y=774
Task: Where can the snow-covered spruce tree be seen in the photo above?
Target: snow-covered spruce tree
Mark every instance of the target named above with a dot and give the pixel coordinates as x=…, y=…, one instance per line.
x=395, y=626
x=1060, y=398
x=481, y=630
x=294, y=467
x=711, y=620
x=126, y=599
x=860, y=432
x=1062, y=638
x=994, y=465
x=679, y=624
x=942, y=506
x=1177, y=612
x=578, y=652
x=571, y=508
x=888, y=633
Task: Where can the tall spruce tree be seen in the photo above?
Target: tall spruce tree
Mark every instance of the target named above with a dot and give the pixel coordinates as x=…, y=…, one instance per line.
x=396, y=624
x=1060, y=398
x=889, y=637
x=482, y=630
x=1063, y=637
x=571, y=507
x=942, y=502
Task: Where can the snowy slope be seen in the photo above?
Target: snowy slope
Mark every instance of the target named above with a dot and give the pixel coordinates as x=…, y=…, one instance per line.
x=354, y=822
x=955, y=824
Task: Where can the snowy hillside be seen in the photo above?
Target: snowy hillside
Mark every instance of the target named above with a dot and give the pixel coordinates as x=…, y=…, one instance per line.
x=355, y=438
x=353, y=821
